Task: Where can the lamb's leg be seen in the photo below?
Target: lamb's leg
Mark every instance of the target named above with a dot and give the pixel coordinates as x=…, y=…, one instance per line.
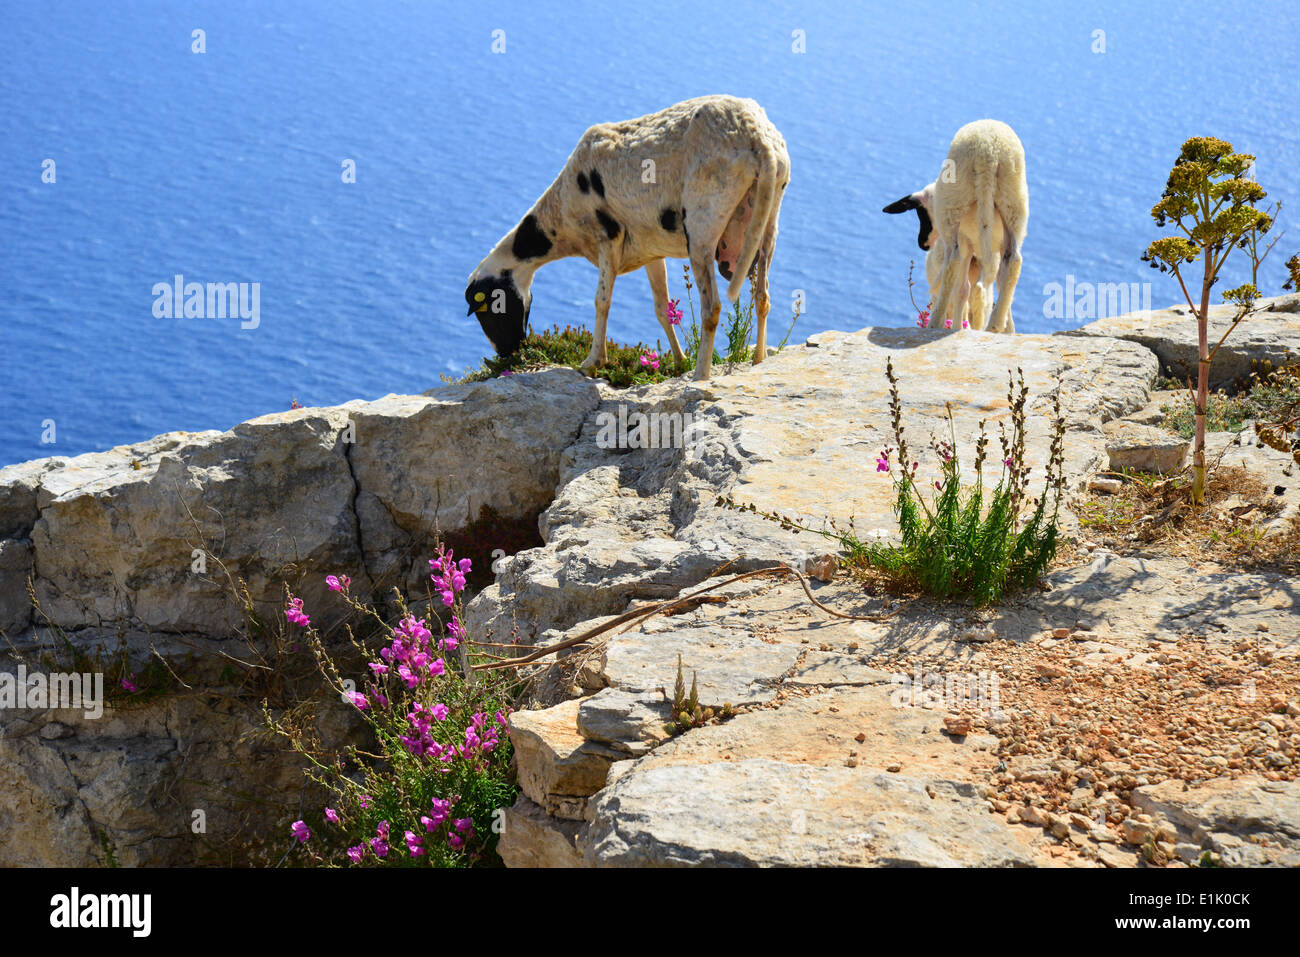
x=1008, y=276
x=604, y=293
x=977, y=306
x=951, y=272
x=961, y=303
x=657, y=273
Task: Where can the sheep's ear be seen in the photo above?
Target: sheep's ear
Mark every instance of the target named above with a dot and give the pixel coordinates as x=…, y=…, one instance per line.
x=902, y=205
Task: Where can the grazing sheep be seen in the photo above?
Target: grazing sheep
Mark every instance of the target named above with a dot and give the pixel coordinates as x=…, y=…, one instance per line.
x=973, y=222
x=624, y=201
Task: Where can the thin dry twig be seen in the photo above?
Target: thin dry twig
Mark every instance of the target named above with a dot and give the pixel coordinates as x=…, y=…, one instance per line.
x=640, y=614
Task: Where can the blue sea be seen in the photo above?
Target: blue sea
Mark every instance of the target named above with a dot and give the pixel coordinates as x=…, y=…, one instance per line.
x=227, y=165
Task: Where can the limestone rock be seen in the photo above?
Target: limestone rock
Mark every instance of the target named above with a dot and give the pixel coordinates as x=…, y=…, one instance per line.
x=147, y=545
x=762, y=812
x=1271, y=331
x=558, y=768
x=646, y=523
x=532, y=838
x=1143, y=448
x=1249, y=822
x=16, y=566
x=628, y=722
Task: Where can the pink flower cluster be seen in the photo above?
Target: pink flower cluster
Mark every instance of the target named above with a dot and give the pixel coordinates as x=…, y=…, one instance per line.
x=449, y=575
x=650, y=360
x=923, y=320
x=411, y=653
x=295, y=613
x=420, y=741
x=674, y=313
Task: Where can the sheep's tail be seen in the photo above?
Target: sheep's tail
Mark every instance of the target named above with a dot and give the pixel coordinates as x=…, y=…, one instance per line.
x=765, y=194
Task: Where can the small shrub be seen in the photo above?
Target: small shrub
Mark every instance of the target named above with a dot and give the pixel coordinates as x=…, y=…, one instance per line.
x=687, y=712
x=430, y=789
x=961, y=543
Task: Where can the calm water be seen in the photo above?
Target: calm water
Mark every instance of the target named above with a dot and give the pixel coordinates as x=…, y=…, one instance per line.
x=226, y=166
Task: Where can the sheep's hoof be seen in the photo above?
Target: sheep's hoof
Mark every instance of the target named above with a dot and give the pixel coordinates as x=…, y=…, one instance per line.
x=759, y=355
x=591, y=366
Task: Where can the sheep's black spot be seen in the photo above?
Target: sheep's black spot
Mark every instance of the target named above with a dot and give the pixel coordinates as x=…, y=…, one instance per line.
x=598, y=184
x=583, y=185
x=685, y=233
x=668, y=219
x=612, y=228
x=530, y=242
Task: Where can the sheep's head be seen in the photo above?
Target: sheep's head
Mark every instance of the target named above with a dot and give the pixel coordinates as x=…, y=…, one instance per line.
x=502, y=309
x=923, y=202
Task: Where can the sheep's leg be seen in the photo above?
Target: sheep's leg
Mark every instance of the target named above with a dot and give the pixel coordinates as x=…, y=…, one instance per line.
x=710, y=307
x=604, y=293
x=762, y=301
x=1008, y=276
x=657, y=273
x=707, y=213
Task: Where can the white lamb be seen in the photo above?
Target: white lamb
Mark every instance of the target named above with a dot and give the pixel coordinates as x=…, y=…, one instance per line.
x=623, y=202
x=973, y=223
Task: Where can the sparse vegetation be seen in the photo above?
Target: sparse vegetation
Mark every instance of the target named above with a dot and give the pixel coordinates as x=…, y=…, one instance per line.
x=687, y=712
x=1154, y=512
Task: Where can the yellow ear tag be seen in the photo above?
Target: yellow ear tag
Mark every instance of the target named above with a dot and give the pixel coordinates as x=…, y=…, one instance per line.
x=479, y=296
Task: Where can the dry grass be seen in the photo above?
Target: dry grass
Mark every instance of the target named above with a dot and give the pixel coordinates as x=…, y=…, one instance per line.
x=1232, y=528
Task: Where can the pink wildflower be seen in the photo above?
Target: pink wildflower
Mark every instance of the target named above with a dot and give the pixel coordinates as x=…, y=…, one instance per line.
x=337, y=582
x=674, y=313
x=923, y=318
x=295, y=613
x=129, y=683
x=650, y=360
x=355, y=854
x=331, y=815
x=301, y=832
x=414, y=844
